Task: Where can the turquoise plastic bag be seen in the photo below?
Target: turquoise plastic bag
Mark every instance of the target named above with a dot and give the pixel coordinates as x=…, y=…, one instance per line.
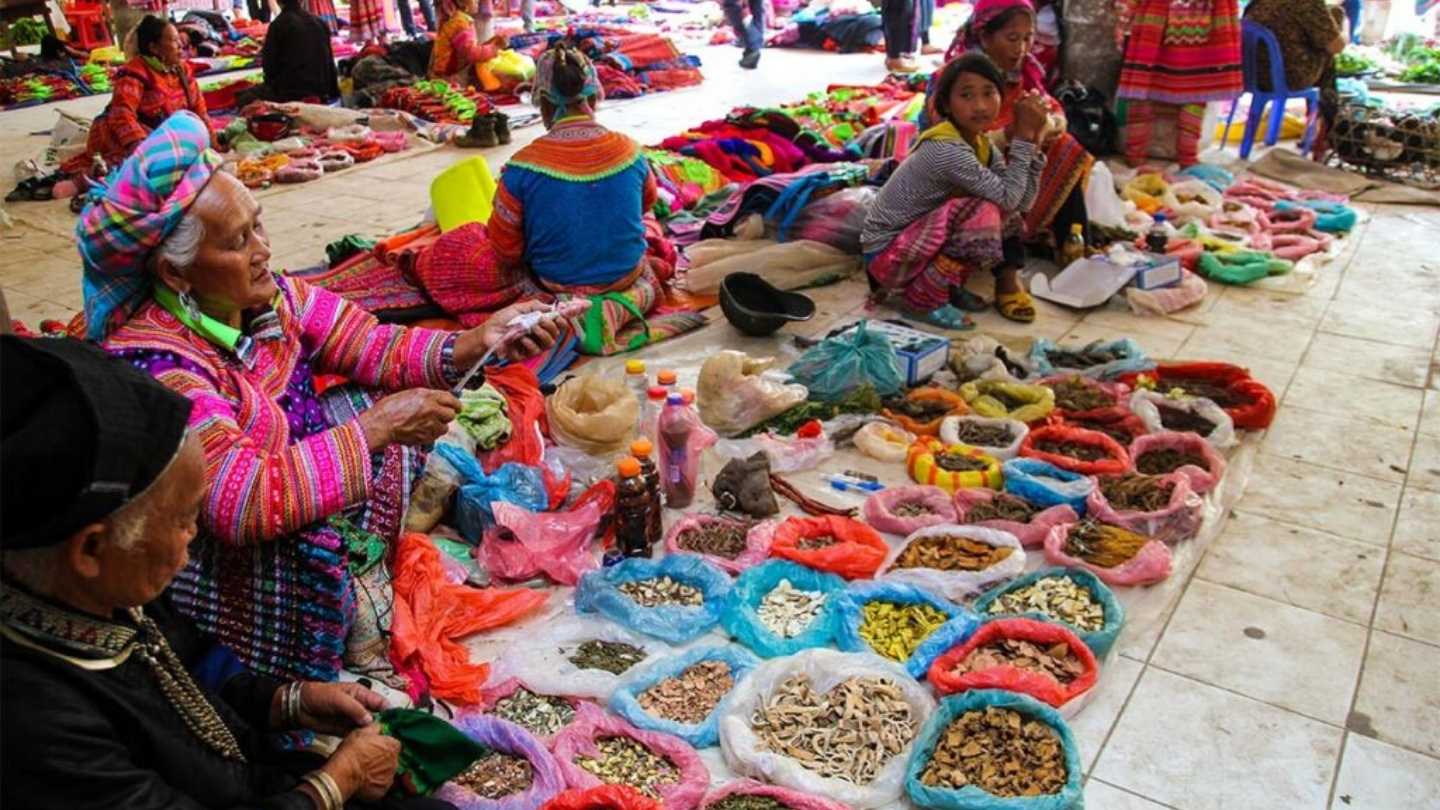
x=848, y=616
x=1129, y=357
x=705, y=734
x=514, y=483
x=599, y=592
x=844, y=364
x=1022, y=478
x=742, y=621
x=1099, y=641
x=1334, y=217
x=951, y=634
x=1070, y=797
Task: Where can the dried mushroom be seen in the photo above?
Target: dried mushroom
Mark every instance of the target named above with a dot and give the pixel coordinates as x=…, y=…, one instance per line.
x=999, y=751
x=851, y=732
x=690, y=696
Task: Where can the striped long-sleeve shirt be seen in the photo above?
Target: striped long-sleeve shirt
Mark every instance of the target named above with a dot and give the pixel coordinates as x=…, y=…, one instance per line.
x=939, y=170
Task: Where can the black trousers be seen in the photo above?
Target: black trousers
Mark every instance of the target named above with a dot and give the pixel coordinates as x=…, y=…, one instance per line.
x=898, y=17
x=259, y=10
x=407, y=19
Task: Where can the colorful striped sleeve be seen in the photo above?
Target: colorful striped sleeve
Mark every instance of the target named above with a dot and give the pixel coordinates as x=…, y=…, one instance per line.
x=344, y=339
x=257, y=495
x=507, y=226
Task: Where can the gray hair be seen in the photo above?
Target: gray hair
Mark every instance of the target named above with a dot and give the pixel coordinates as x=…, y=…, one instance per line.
x=183, y=244
x=35, y=568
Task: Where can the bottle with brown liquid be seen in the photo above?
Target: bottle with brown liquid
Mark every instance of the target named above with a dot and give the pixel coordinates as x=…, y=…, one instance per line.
x=631, y=510
x=642, y=450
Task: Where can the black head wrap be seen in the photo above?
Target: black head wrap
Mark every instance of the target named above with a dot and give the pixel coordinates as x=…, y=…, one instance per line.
x=81, y=434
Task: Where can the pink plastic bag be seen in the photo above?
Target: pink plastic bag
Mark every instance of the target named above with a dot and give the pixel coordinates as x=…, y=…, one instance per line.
x=1179, y=520
x=1202, y=479
x=793, y=799
x=591, y=723
x=1149, y=566
x=757, y=542
x=524, y=544
x=1031, y=535
x=880, y=509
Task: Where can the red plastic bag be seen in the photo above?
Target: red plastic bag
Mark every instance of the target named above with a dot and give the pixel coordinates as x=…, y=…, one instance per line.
x=604, y=797
x=1119, y=394
x=1151, y=564
x=1114, y=461
x=1202, y=479
x=1249, y=402
x=593, y=723
x=1179, y=519
x=524, y=544
x=858, y=553
x=1038, y=685
x=1124, y=429
x=792, y=799
x=431, y=615
x=1031, y=534
x=526, y=407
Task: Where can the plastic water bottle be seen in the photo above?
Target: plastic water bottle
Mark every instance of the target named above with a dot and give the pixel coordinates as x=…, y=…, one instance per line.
x=650, y=412
x=636, y=381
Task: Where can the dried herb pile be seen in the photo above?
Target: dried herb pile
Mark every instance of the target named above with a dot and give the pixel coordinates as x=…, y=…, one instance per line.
x=541, y=715
x=1088, y=357
x=749, y=803
x=1060, y=598
x=849, y=733
x=614, y=657
x=1161, y=462
x=497, y=775
x=787, y=611
x=623, y=761
x=1101, y=544
x=658, y=591
x=921, y=410
x=1183, y=420
x=910, y=509
x=1056, y=660
x=1076, y=450
x=1136, y=493
x=718, y=538
x=999, y=751
x=1075, y=394
x=959, y=462
x=951, y=553
x=819, y=541
x=1003, y=506
x=895, y=630
x=690, y=696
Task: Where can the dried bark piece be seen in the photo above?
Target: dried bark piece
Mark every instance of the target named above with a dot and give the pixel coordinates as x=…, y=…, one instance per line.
x=1003, y=506
x=658, y=591
x=999, y=751
x=848, y=733
x=1057, y=660
x=819, y=541
x=690, y=696
x=1060, y=598
x=1133, y=492
x=1101, y=544
x=951, y=553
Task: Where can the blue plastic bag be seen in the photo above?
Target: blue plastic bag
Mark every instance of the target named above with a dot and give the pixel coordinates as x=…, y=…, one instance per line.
x=842, y=365
x=519, y=484
x=599, y=592
x=951, y=634
x=848, y=616
x=742, y=621
x=1070, y=797
x=1131, y=358
x=1099, y=641
x=1021, y=479
x=625, y=700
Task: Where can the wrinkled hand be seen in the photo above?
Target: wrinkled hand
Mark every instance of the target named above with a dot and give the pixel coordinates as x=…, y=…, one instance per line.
x=337, y=708
x=415, y=417
x=364, y=765
x=537, y=340
x=1030, y=116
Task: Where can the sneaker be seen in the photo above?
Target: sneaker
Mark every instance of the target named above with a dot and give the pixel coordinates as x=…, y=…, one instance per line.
x=481, y=135
x=750, y=60
x=502, y=127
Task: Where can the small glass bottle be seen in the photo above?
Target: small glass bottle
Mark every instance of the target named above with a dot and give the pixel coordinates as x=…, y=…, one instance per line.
x=1074, y=248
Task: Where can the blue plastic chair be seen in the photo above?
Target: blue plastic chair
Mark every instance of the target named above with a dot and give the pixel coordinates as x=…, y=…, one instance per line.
x=1254, y=37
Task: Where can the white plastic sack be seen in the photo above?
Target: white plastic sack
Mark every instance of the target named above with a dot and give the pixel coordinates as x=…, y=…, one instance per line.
x=1143, y=404
x=950, y=434
x=957, y=586
x=826, y=669
x=786, y=266
x=541, y=658
x=1102, y=203
x=734, y=395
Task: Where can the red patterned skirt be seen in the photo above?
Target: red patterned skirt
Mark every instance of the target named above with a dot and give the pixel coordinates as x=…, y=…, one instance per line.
x=1183, y=52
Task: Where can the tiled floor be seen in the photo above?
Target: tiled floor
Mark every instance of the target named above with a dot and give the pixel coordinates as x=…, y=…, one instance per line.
x=1298, y=667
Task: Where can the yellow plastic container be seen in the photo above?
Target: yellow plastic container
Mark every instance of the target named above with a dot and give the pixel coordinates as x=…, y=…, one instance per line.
x=462, y=194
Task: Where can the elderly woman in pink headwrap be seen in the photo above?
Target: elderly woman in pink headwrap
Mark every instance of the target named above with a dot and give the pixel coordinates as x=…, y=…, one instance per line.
x=1004, y=30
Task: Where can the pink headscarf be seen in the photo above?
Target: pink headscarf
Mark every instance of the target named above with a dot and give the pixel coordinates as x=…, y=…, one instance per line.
x=1032, y=75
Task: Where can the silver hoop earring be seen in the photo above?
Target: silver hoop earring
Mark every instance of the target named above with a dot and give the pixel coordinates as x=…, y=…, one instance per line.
x=192, y=308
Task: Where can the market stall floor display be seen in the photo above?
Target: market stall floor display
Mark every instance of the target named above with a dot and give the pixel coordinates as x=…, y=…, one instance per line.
x=1288, y=657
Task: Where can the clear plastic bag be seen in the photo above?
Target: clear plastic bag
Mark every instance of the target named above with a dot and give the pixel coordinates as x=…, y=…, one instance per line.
x=1177, y=521
x=432, y=494
x=883, y=441
x=541, y=657
x=594, y=414
x=705, y=734
x=524, y=544
x=841, y=365
x=757, y=542
x=790, y=454
x=1128, y=357
x=950, y=434
x=742, y=621
x=1202, y=479
x=792, y=799
x=879, y=509
x=825, y=669
x=599, y=592
x=1151, y=564
x=1045, y=485
x=1030, y=534
x=957, y=585
x=850, y=606
x=734, y=396
x=1038, y=685
x=592, y=724
x=506, y=738
x=1147, y=404
x=836, y=219
x=1099, y=641
x=512, y=483
x=970, y=797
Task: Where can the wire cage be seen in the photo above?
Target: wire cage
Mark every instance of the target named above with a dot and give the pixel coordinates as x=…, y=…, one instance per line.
x=1402, y=147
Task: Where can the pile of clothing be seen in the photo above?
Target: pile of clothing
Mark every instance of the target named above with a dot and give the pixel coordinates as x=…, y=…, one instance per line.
x=630, y=64
x=842, y=26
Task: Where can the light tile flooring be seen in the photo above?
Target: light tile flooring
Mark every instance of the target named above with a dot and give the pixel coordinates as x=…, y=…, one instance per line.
x=1298, y=667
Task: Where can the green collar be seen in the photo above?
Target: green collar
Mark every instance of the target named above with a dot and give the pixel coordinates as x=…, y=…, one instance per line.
x=221, y=334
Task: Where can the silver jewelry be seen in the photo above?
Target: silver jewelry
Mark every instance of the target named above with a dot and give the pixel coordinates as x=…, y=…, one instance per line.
x=192, y=307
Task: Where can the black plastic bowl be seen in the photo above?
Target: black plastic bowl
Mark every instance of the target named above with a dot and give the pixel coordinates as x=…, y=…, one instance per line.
x=757, y=309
